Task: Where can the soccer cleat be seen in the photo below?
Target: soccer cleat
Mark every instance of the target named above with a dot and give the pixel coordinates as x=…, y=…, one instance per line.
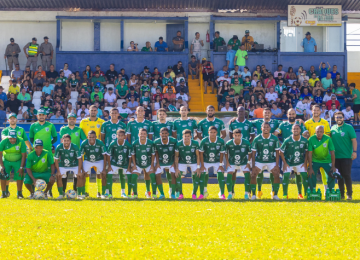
x=177, y=194
x=206, y=194
x=194, y=197
x=169, y=193
x=50, y=195
x=60, y=197
x=45, y=196
x=20, y=196
x=246, y=196
x=285, y=197
x=98, y=195
x=223, y=197
x=148, y=194
x=201, y=197
x=275, y=197
x=272, y=194
x=173, y=196
x=259, y=194
x=253, y=197
x=3, y=197
x=103, y=197
x=300, y=197
x=8, y=194
x=349, y=197
x=79, y=197
x=161, y=197
x=110, y=196
x=31, y=196
x=229, y=197
x=180, y=197
x=154, y=197
x=123, y=195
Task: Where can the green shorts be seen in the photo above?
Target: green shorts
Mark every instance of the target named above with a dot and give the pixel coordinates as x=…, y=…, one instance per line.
x=9, y=166
x=43, y=175
x=316, y=167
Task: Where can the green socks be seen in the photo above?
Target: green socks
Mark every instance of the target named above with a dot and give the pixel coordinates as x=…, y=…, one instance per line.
x=247, y=182
x=7, y=188
x=173, y=189
x=129, y=183
x=109, y=183
x=221, y=180
x=161, y=189
x=153, y=183
x=103, y=189
x=305, y=181
x=272, y=181
x=147, y=183
x=253, y=189
x=276, y=187
x=168, y=177
x=179, y=184
x=202, y=183
x=61, y=191
x=122, y=179
x=206, y=180
x=134, y=178
x=298, y=183
x=196, y=180
x=285, y=183
x=259, y=180
x=229, y=183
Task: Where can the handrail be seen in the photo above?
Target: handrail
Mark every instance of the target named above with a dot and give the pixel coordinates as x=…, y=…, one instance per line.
x=201, y=88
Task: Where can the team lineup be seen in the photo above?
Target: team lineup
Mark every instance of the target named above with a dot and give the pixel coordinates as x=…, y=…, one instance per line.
x=149, y=148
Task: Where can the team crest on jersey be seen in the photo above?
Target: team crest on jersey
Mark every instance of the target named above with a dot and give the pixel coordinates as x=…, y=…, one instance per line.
x=242, y=149
x=168, y=127
x=171, y=148
x=216, y=125
x=301, y=145
x=98, y=126
x=333, y=133
x=97, y=150
x=343, y=133
x=148, y=149
x=17, y=147
x=71, y=154
x=43, y=160
x=271, y=143
x=271, y=125
x=246, y=127
x=189, y=124
x=324, y=144
x=19, y=133
x=76, y=134
x=47, y=129
x=125, y=150
x=192, y=150
x=145, y=127
x=218, y=147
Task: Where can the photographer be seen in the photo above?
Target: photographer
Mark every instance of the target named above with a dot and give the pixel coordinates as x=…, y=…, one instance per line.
x=248, y=41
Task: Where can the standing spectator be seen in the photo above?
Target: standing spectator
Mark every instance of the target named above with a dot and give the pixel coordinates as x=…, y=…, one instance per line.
x=52, y=74
x=309, y=43
x=218, y=41
x=323, y=70
x=32, y=53
x=111, y=74
x=248, y=41
x=133, y=46
x=178, y=42
x=17, y=74
x=12, y=53
x=13, y=104
x=147, y=47
x=235, y=43
x=47, y=51
x=195, y=47
x=208, y=74
x=240, y=57
x=161, y=46
x=193, y=67
x=334, y=72
x=332, y=101
x=356, y=99
x=230, y=57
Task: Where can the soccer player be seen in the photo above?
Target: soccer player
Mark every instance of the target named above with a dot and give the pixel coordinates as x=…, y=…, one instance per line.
x=238, y=157
x=210, y=120
x=38, y=164
x=165, y=153
x=212, y=151
x=119, y=158
x=321, y=155
x=184, y=123
x=19, y=131
x=143, y=155
x=68, y=158
x=265, y=155
x=133, y=131
x=293, y=153
x=87, y=124
x=184, y=158
x=12, y=157
x=77, y=134
x=108, y=134
x=93, y=151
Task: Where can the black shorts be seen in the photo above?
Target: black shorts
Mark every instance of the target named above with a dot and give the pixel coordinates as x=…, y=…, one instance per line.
x=356, y=108
x=208, y=77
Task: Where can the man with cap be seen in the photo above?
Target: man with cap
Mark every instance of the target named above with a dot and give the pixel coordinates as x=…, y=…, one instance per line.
x=12, y=157
x=12, y=53
x=97, y=92
x=19, y=130
x=309, y=43
x=47, y=51
x=182, y=87
x=98, y=79
x=248, y=41
x=234, y=42
x=32, y=53
x=218, y=41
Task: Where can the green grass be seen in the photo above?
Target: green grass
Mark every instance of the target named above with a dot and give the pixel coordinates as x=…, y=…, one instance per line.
x=168, y=229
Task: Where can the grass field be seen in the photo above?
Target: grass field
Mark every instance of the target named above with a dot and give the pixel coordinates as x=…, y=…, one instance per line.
x=169, y=229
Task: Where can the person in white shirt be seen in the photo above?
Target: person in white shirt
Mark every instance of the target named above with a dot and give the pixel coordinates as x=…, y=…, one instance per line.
x=183, y=96
x=348, y=112
x=83, y=109
x=66, y=70
x=333, y=111
x=309, y=113
x=323, y=111
x=236, y=69
x=255, y=81
x=301, y=108
x=327, y=96
x=271, y=95
x=125, y=110
x=195, y=48
x=110, y=97
x=219, y=80
x=227, y=107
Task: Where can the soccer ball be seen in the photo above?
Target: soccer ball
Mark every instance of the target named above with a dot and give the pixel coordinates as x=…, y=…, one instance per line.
x=40, y=185
x=70, y=194
x=39, y=195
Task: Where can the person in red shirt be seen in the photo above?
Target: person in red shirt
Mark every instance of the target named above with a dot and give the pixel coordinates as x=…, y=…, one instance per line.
x=158, y=93
x=269, y=82
x=332, y=101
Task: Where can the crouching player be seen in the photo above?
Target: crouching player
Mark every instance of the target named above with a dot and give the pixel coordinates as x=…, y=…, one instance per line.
x=12, y=157
x=238, y=157
x=143, y=155
x=264, y=148
x=293, y=153
x=94, y=151
x=165, y=154
x=212, y=149
x=119, y=159
x=38, y=164
x=68, y=159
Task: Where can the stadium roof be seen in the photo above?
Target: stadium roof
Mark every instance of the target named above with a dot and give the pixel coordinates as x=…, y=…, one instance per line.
x=170, y=5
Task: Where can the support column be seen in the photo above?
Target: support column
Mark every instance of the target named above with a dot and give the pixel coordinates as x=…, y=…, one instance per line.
x=212, y=34
x=122, y=35
x=186, y=30
x=96, y=36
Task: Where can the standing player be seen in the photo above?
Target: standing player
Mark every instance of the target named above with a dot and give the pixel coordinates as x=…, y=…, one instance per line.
x=93, y=151
x=87, y=124
x=184, y=158
x=12, y=157
x=108, y=134
x=133, y=132
x=68, y=158
x=119, y=158
x=238, y=157
x=184, y=123
x=165, y=153
x=19, y=130
x=143, y=155
x=293, y=153
x=38, y=164
x=212, y=151
x=210, y=120
x=264, y=148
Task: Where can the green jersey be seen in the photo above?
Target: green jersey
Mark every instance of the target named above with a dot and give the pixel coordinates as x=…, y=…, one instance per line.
x=246, y=128
x=157, y=127
x=143, y=153
x=205, y=124
x=212, y=150
x=166, y=151
x=321, y=149
x=181, y=125
x=274, y=124
x=144, y=88
x=120, y=154
x=238, y=154
x=109, y=129
x=265, y=148
x=93, y=153
x=45, y=132
x=12, y=152
x=187, y=153
x=341, y=137
x=39, y=164
x=19, y=131
x=76, y=134
x=294, y=151
x=285, y=129
x=67, y=157
x=357, y=93
x=133, y=128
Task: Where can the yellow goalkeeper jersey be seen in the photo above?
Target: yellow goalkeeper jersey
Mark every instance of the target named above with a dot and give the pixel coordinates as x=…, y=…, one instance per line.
x=87, y=125
x=311, y=125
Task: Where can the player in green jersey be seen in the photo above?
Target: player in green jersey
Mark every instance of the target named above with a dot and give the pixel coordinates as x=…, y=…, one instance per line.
x=143, y=154
x=68, y=159
x=108, y=134
x=119, y=158
x=246, y=127
x=265, y=155
x=39, y=165
x=184, y=157
x=165, y=153
x=293, y=153
x=321, y=155
x=212, y=150
x=93, y=151
x=12, y=157
x=210, y=120
x=184, y=123
x=158, y=125
x=238, y=158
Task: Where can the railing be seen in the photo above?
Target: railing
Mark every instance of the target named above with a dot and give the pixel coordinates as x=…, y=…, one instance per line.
x=201, y=88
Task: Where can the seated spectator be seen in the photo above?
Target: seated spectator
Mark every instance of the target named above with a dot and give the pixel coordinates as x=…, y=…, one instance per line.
x=178, y=68
x=219, y=81
x=334, y=72
x=48, y=109
x=110, y=97
x=302, y=77
x=306, y=94
x=156, y=104
x=147, y=47
x=52, y=74
x=193, y=67
x=24, y=97
x=3, y=96
x=332, y=111
x=284, y=104
x=98, y=79
x=145, y=74
x=133, y=94
x=167, y=78
x=255, y=81
x=313, y=79
x=99, y=113
x=280, y=77
x=235, y=70
x=132, y=104
x=294, y=92
x=331, y=102
x=66, y=70
x=156, y=75
x=182, y=87
x=227, y=107
x=337, y=77
x=238, y=88
x=119, y=79
x=83, y=101
x=327, y=96
x=70, y=109
x=327, y=81
x=245, y=73
x=81, y=117
x=183, y=95
x=57, y=118
x=59, y=85
x=154, y=88
x=276, y=112
x=158, y=93
x=271, y=95
x=178, y=42
x=42, y=73
x=247, y=84
x=88, y=72
x=339, y=90
x=145, y=98
x=62, y=97
x=161, y=46
x=133, y=46
x=124, y=111
x=98, y=69
x=111, y=74
x=279, y=70
x=63, y=79
x=223, y=91
x=13, y=88
x=144, y=88
x=13, y=104
x=17, y=73
x=279, y=88
x=180, y=102
x=301, y=108
x=269, y=82
x=170, y=95
x=122, y=90
x=148, y=112
x=38, y=81
x=30, y=114
x=85, y=83
x=171, y=72
x=323, y=111
x=258, y=112
x=47, y=89
x=47, y=98
x=97, y=92
x=348, y=113
x=222, y=72
x=179, y=77
x=83, y=109
x=318, y=97
x=168, y=87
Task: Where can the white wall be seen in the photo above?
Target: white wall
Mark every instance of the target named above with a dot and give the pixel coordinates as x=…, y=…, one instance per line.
x=77, y=36
x=202, y=28
x=353, y=61
x=110, y=36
